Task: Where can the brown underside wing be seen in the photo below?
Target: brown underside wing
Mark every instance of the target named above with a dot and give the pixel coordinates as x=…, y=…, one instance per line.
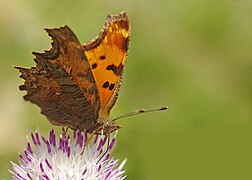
x=54, y=87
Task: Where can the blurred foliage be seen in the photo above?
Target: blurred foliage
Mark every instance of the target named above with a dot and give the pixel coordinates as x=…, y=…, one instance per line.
x=192, y=55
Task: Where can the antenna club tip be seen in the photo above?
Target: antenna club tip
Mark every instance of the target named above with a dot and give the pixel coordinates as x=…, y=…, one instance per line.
x=141, y=110
x=163, y=108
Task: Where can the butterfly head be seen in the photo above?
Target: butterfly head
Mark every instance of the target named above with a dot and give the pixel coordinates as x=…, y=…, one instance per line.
x=110, y=126
x=107, y=126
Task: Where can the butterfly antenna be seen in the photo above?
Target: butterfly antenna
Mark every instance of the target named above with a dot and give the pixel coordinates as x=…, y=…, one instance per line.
x=140, y=111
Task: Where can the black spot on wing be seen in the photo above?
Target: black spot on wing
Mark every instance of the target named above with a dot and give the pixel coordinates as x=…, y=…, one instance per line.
x=117, y=70
x=111, y=86
x=102, y=57
x=106, y=84
x=112, y=68
x=94, y=66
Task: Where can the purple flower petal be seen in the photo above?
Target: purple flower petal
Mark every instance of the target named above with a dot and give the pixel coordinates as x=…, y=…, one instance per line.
x=37, y=138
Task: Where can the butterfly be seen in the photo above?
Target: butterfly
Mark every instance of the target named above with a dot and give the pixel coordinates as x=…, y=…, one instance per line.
x=77, y=85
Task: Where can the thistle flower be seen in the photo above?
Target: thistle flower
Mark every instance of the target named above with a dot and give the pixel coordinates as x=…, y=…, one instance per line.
x=49, y=159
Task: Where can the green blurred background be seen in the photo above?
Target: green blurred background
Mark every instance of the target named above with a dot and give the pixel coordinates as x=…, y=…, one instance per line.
x=193, y=55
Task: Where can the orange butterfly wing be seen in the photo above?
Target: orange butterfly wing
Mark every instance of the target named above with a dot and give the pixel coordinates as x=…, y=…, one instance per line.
x=106, y=56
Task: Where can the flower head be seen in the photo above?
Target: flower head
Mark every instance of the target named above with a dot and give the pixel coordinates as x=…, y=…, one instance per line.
x=62, y=159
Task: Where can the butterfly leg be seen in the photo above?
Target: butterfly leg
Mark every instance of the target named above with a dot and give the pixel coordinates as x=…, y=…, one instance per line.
x=106, y=149
x=88, y=140
x=65, y=132
x=68, y=127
